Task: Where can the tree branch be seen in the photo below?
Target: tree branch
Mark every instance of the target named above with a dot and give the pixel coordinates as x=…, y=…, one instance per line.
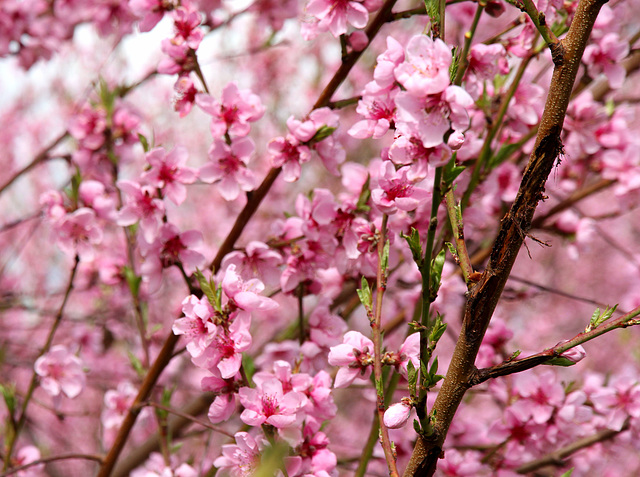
x=483, y=297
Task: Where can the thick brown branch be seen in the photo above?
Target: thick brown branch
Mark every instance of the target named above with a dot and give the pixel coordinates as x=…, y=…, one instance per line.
x=483, y=297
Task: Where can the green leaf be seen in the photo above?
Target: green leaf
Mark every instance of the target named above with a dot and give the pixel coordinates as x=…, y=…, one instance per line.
x=568, y=473
x=363, y=198
x=322, y=133
x=364, y=293
x=598, y=318
x=438, y=329
x=9, y=396
x=437, y=264
x=145, y=143
x=249, y=367
x=413, y=240
x=205, y=286
x=451, y=171
x=559, y=361
x=416, y=426
x=136, y=364
x=132, y=279
x=107, y=97
x=412, y=377
x=384, y=260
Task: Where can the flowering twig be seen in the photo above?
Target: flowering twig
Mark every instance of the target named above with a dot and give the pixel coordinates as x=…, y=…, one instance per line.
x=254, y=199
x=13, y=437
x=483, y=297
x=381, y=285
x=519, y=365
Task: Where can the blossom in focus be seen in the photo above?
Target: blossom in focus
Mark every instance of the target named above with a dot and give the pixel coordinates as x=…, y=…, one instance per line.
x=354, y=356
x=168, y=172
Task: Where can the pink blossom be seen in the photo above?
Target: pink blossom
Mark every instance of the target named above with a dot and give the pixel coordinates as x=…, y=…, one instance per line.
x=233, y=113
x=168, y=172
x=257, y=261
x=397, y=414
x=619, y=400
x=430, y=117
x=288, y=153
x=426, y=68
x=378, y=111
x=395, y=191
x=157, y=467
x=458, y=464
x=225, y=352
x=60, y=372
x=88, y=127
x=354, y=356
x=178, y=60
x=27, y=455
x=186, y=24
x=410, y=351
x=228, y=167
x=116, y=404
x=245, y=294
x=94, y=195
x=275, y=12
x=335, y=14
x=241, y=459
x=141, y=205
x=268, y=403
x=197, y=325
x=605, y=57
x=224, y=404
x=185, y=95
x=383, y=75
x=151, y=12
x=78, y=232
x=540, y=395
x=170, y=248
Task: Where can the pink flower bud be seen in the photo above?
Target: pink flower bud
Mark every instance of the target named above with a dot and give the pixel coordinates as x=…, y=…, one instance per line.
x=574, y=354
x=397, y=415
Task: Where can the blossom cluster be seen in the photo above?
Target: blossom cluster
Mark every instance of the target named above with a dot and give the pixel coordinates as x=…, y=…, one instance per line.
x=271, y=258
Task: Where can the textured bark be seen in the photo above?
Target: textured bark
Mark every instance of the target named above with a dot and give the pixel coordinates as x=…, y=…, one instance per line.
x=483, y=297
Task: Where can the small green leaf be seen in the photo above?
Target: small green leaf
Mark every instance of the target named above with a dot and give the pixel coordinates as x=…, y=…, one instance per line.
x=568, y=473
x=136, y=364
x=559, y=361
x=451, y=171
x=145, y=143
x=363, y=198
x=413, y=240
x=205, y=286
x=412, y=377
x=9, y=396
x=322, y=133
x=438, y=329
x=384, y=260
x=437, y=264
x=364, y=293
x=434, y=367
x=132, y=279
x=452, y=249
x=249, y=367
x=598, y=318
x=416, y=426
